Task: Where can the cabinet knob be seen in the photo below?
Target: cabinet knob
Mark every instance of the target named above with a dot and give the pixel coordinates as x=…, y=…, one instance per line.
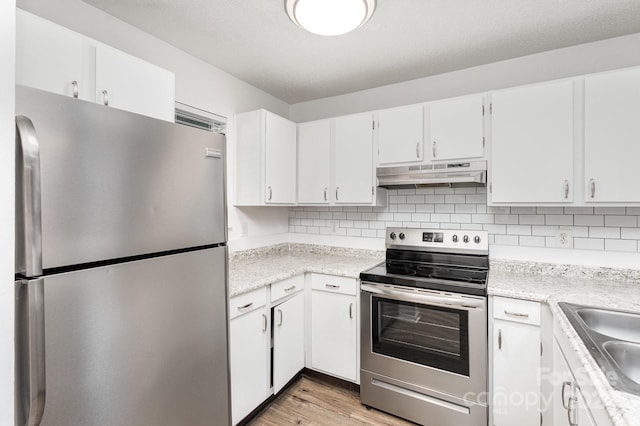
x=74, y=85
x=105, y=97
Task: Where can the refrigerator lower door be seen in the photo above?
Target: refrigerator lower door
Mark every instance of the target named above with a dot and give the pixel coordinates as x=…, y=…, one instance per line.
x=138, y=343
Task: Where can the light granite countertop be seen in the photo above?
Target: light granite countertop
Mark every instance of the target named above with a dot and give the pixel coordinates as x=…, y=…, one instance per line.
x=600, y=287
x=546, y=283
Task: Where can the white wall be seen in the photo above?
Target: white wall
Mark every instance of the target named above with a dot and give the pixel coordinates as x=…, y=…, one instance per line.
x=587, y=58
x=7, y=158
x=197, y=84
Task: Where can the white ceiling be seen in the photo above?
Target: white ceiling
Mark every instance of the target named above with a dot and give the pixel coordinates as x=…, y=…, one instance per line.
x=405, y=39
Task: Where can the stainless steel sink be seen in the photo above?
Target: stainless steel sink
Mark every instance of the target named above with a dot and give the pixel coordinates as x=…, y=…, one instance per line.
x=615, y=324
x=613, y=339
x=627, y=358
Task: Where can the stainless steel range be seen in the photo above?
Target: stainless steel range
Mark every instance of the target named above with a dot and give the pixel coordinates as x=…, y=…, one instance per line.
x=424, y=327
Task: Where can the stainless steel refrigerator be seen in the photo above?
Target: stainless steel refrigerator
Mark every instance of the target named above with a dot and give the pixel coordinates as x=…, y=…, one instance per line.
x=121, y=268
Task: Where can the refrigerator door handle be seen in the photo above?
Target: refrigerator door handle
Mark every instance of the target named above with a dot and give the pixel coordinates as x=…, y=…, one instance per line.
x=28, y=195
x=33, y=388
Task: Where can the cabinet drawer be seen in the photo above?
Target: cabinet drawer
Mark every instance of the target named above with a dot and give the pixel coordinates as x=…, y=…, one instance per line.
x=286, y=287
x=342, y=285
x=516, y=310
x=247, y=302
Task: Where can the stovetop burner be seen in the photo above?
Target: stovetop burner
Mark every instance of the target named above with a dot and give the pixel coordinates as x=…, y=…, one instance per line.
x=447, y=260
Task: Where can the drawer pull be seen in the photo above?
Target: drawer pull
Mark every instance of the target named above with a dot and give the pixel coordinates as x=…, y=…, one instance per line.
x=245, y=307
x=287, y=290
x=516, y=314
x=332, y=286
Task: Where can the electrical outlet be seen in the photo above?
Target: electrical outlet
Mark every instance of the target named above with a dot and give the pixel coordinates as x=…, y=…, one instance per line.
x=564, y=238
x=334, y=226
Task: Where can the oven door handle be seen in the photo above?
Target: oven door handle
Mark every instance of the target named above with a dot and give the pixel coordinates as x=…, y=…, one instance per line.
x=431, y=299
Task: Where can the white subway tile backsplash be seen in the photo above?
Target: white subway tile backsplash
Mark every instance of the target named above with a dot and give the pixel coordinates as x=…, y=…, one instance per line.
x=531, y=241
x=507, y=219
x=621, y=245
x=580, y=220
x=445, y=208
x=628, y=221
x=588, y=243
x=531, y=219
x=519, y=229
x=610, y=210
x=507, y=240
x=558, y=219
x=615, y=229
x=601, y=232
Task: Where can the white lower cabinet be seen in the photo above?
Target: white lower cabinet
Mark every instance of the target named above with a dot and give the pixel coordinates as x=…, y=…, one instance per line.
x=334, y=324
x=288, y=340
x=516, y=362
x=249, y=341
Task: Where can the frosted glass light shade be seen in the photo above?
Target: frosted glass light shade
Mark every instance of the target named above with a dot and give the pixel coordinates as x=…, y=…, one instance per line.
x=329, y=17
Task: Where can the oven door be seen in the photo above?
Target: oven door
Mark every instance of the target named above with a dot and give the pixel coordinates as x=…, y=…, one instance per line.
x=432, y=339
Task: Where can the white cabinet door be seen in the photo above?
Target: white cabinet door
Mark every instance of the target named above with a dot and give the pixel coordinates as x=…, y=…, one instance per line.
x=456, y=128
x=400, y=135
x=50, y=57
x=532, y=144
x=612, y=137
x=563, y=382
x=516, y=367
x=314, y=161
x=333, y=334
x=249, y=341
x=280, y=157
x=288, y=340
x=353, y=159
x=129, y=83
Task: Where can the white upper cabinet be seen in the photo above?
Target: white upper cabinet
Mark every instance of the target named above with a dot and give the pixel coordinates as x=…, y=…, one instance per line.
x=532, y=144
x=265, y=159
x=131, y=84
x=612, y=137
x=354, y=170
x=314, y=162
x=52, y=58
x=456, y=128
x=400, y=135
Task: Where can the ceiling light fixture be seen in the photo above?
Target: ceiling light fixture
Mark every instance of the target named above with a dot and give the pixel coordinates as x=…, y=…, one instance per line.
x=329, y=17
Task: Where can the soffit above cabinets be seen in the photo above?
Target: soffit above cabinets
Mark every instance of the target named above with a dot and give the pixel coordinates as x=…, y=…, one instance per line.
x=405, y=39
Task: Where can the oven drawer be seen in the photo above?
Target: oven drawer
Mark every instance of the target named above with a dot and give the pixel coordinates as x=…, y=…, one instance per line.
x=333, y=284
x=516, y=310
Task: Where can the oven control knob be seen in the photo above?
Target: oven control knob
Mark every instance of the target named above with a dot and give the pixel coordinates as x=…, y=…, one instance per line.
x=392, y=235
x=454, y=238
x=476, y=239
x=401, y=235
x=465, y=238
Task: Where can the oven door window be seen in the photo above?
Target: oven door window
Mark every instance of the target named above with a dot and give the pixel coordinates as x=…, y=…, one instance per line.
x=434, y=336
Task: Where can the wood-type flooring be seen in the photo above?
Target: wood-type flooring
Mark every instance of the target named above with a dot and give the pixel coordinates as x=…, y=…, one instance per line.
x=312, y=401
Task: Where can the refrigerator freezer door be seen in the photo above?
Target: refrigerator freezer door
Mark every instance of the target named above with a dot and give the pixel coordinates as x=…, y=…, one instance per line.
x=138, y=343
x=116, y=184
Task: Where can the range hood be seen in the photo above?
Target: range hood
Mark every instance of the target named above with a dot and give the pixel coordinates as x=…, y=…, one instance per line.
x=458, y=173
